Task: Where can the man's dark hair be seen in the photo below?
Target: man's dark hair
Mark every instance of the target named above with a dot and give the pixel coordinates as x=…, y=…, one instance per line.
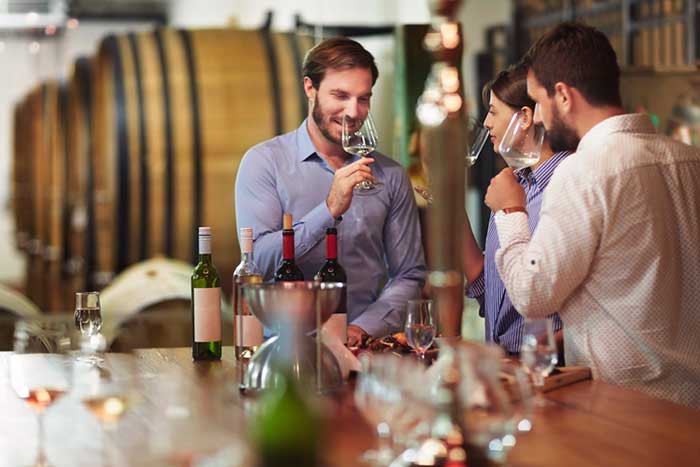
x=581, y=57
x=510, y=86
x=337, y=53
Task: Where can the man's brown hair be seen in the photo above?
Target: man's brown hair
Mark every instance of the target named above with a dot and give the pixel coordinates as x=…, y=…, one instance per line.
x=337, y=53
x=581, y=57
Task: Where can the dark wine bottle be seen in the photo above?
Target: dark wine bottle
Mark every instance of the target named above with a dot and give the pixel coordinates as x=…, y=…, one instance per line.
x=288, y=271
x=332, y=271
x=206, y=303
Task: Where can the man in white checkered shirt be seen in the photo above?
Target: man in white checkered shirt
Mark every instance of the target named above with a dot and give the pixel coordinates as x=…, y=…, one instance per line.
x=617, y=248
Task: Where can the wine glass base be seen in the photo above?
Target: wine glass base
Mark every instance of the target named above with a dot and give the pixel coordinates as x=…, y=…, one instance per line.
x=368, y=188
x=90, y=359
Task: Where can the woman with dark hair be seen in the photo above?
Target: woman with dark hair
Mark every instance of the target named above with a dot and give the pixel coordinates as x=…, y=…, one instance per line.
x=504, y=96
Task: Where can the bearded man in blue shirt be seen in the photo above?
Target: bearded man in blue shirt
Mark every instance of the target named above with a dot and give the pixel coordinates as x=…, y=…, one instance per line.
x=307, y=173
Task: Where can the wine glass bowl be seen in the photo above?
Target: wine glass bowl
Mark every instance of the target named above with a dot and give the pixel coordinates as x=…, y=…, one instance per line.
x=420, y=325
x=521, y=145
x=359, y=137
x=478, y=135
x=538, y=353
x=88, y=320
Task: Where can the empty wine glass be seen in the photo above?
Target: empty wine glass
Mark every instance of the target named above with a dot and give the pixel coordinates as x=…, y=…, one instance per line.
x=40, y=367
x=538, y=353
x=478, y=135
x=360, y=138
x=420, y=326
x=522, y=143
x=88, y=320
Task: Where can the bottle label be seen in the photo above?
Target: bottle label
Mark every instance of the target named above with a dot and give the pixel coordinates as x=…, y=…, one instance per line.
x=249, y=332
x=207, y=314
x=337, y=325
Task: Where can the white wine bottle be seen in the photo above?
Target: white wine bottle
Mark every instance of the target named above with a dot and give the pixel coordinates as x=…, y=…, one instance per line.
x=247, y=329
x=206, y=303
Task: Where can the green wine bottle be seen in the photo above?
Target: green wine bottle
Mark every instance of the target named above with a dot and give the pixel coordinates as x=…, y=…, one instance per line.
x=286, y=430
x=206, y=303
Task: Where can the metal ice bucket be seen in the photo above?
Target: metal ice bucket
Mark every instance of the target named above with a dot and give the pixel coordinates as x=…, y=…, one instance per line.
x=307, y=305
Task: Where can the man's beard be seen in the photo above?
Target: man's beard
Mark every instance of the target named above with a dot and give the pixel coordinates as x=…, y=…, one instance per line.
x=561, y=137
x=323, y=121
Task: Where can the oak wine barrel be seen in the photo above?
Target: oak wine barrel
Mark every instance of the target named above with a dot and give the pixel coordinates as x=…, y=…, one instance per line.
x=174, y=112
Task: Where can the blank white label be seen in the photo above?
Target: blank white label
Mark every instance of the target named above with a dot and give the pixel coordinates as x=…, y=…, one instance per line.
x=207, y=315
x=250, y=331
x=337, y=325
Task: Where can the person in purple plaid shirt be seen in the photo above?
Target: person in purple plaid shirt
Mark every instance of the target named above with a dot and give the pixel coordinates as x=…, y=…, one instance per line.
x=504, y=96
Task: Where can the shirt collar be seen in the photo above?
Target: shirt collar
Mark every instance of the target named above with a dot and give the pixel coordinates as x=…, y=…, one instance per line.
x=637, y=123
x=305, y=147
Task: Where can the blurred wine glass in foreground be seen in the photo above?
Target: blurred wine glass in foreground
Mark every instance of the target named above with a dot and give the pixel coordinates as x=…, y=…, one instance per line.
x=40, y=366
x=107, y=391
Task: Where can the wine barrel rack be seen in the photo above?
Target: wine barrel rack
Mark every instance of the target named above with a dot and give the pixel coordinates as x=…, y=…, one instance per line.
x=142, y=146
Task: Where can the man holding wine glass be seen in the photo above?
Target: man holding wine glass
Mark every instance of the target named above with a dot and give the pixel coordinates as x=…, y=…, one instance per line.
x=310, y=175
x=615, y=251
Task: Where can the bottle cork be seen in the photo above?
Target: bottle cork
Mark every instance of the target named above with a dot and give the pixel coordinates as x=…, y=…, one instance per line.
x=287, y=222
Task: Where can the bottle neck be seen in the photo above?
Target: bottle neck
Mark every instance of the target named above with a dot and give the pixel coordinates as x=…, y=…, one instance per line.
x=288, y=244
x=204, y=245
x=205, y=258
x=331, y=247
x=247, y=257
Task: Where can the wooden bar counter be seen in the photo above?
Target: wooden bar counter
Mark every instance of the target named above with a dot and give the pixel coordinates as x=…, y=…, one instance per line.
x=194, y=409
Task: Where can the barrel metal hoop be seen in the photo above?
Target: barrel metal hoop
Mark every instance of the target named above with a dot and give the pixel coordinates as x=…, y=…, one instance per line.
x=169, y=169
x=292, y=37
x=122, y=208
x=186, y=38
x=143, y=150
x=274, y=79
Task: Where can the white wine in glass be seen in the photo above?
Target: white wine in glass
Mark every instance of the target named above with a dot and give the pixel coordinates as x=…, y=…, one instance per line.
x=360, y=138
x=522, y=143
x=420, y=326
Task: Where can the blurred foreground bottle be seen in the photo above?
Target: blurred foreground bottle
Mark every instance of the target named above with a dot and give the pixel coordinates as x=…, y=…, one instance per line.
x=206, y=303
x=286, y=429
x=247, y=329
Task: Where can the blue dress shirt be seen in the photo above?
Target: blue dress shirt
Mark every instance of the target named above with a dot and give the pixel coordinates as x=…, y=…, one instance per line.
x=504, y=325
x=379, y=240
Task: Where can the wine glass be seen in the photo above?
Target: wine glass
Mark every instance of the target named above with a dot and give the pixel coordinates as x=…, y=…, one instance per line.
x=40, y=367
x=107, y=391
x=522, y=143
x=88, y=320
x=538, y=353
x=420, y=326
x=478, y=135
x=360, y=139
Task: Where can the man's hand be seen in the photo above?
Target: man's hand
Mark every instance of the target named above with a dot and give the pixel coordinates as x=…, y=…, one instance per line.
x=355, y=335
x=505, y=192
x=345, y=179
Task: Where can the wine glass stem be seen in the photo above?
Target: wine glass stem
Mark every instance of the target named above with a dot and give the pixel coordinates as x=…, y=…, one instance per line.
x=40, y=455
